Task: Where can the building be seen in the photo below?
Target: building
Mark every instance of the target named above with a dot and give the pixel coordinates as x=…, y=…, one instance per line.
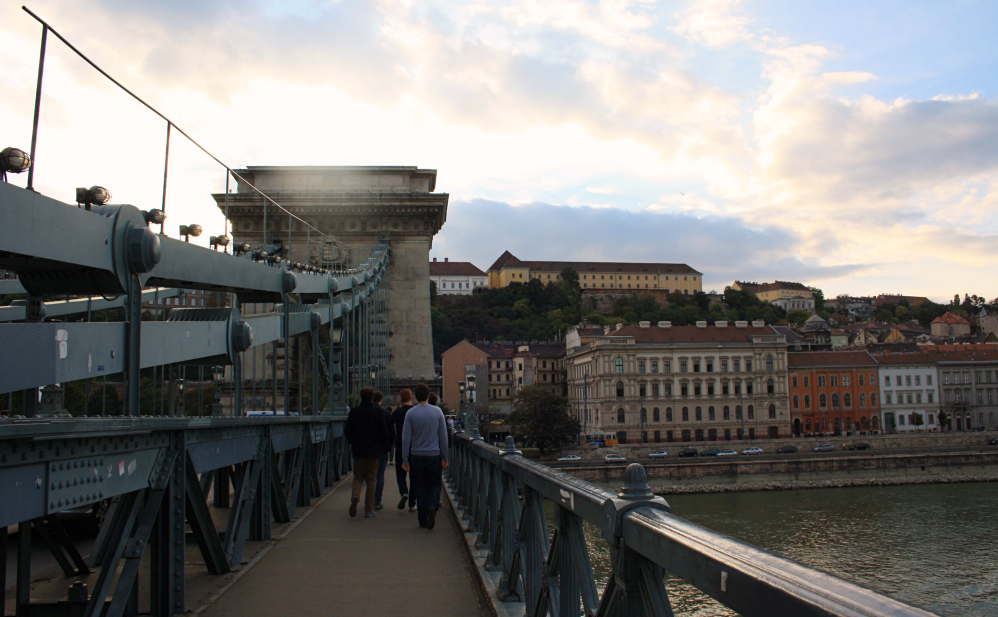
x=456, y=277
x=909, y=392
x=832, y=389
x=667, y=383
x=599, y=276
x=950, y=325
x=883, y=299
x=455, y=363
x=968, y=385
x=855, y=308
x=786, y=295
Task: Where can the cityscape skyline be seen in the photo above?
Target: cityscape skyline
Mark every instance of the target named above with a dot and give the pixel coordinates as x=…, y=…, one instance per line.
x=843, y=146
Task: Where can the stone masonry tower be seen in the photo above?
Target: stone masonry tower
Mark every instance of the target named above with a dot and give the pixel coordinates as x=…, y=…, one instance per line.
x=360, y=206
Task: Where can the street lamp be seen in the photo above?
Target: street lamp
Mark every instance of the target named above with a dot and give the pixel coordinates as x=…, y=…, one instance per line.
x=190, y=230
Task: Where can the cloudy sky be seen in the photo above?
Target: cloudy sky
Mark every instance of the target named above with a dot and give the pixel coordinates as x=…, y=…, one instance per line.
x=848, y=145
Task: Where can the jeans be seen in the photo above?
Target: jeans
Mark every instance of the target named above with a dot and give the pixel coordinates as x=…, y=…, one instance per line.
x=382, y=465
x=365, y=470
x=427, y=481
x=400, y=474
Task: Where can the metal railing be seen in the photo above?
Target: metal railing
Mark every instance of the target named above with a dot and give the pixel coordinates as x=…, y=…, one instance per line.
x=503, y=495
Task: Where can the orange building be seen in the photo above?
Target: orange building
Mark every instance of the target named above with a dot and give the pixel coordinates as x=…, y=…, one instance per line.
x=829, y=389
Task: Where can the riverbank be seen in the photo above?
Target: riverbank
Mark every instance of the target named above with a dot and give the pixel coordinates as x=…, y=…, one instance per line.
x=788, y=485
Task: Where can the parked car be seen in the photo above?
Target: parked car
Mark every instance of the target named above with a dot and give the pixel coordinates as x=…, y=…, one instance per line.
x=861, y=446
x=752, y=450
x=659, y=454
x=710, y=452
x=614, y=458
x=787, y=450
x=993, y=442
x=571, y=457
x=689, y=452
x=825, y=447
x=727, y=453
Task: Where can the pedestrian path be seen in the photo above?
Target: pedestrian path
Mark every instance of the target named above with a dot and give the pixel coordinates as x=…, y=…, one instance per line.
x=332, y=564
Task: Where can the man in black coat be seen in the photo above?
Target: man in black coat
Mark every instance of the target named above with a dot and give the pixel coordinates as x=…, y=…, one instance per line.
x=367, y=432
x=398, y=421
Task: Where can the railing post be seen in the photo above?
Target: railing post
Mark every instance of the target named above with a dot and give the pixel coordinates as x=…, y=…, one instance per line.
x=510, y=588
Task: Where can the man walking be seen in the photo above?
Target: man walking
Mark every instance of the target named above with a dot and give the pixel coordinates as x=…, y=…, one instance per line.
x=397, y=423
x=424, y=454
x=367, y=433
x=383, y=461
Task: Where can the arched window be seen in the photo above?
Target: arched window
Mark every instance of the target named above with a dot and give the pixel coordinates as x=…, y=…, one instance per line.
x=822, y=401
x=875, y=421
x=862, y=400
x=751, y=412
x=770, y=386
x=738, y=412
x=769, y=363
x=873, y=400
x=644, y=414
x=655, y=415
x=807, y=424
x=796, y=402
x=620, y=415
x=710, y=413
x=618, y=365
x=699, y=415
x=686, y=414
x=863, y=423
x=620, y=389
x=835, y=400
x=772, y=411
x=727, y=412
x=668, y=414
x=847, y=400
x=807, y=401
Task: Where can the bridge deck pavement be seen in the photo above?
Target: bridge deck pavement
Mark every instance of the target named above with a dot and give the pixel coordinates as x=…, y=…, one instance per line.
x=331, y=564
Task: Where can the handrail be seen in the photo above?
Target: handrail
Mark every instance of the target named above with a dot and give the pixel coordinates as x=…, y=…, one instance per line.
x=645, y=541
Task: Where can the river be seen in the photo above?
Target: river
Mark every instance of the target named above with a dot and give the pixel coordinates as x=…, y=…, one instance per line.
x=933, y=545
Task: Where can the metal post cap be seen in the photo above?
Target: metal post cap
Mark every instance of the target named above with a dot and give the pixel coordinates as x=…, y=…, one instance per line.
x=509, y=447
x=635, y=483
x=144, y=250
x=288, y=281
x=316, y=320
x=242, y=336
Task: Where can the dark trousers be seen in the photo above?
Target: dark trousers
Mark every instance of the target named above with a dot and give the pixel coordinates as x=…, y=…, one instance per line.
x=400, y=474
x=365, y=470
x=380, y=488
x=426, y=475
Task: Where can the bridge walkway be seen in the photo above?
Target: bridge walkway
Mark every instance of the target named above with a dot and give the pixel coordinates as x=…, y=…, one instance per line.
x=331, y=564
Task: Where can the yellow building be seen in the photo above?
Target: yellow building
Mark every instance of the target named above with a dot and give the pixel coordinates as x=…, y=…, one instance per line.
x=599, y=276
x=786, y=295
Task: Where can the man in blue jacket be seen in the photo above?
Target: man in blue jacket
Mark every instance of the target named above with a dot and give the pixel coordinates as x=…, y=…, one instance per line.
x=424, y=455
x=367, y=432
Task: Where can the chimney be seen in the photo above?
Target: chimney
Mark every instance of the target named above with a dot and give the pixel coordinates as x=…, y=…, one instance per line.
x=434, y=259
x=701, y=324
x=619, y=326
x=644, y=324
x=665, y=324
x=445, y=259
x=741, y=324
x=759, y=323
x=721, y=324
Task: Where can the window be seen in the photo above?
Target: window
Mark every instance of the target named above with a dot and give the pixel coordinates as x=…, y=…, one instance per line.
x=928, y=380
x=902, y=419
x=710, y=414
x=684, y=389
x=641, y=366
x=821, y=381
x=668, y=414
x=862, y=400
x=835, y=400
x=658, y=436
x=666, y=366
x=682, y=366
x=735, y=365
x=873, y=399
x=918, y=397
x=699, y=415
x=748, y=365
x=796, y=402
x=822, y=401
x=770, y=386
x=686, y=435
x=834, y=381
x=686, y=414
x=887, y=380
x=772, y=411
x=668, y=388
x=845, y=381
x=847, y=400
x=644, y=414
x=620, y=389
x=710, y=365
x=807, y=401
x=655, y=416
x=751, y=412
x=930, y=396
x=862, y=380
x=769, y=363
x=897, y=380
x=738, y=387
x=794, y=381
x=654, y=390
x=724, y=388
x=696, y=366
x=887, y=398
x=726, y=413
x=696, y=389
x=807, y=381
x=748, y=387
x=620, y=415
x=619, y=365
x=724, y=366
x=642, y=390
x=918, y=380
x=654, y=366
x=738, y=412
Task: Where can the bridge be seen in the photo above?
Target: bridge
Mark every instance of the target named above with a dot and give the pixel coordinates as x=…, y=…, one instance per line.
x=230, y=513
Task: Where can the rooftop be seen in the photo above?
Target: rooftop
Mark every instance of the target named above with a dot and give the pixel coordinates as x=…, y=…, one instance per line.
x=454, y=268
x=508, y=260
x=694, y=334
x=830, y=358
x=951, y=318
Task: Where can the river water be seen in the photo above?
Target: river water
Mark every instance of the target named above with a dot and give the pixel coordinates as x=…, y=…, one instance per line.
x=933, y=545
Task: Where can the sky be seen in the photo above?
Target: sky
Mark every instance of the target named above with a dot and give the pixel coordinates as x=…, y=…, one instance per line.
x=847, y=145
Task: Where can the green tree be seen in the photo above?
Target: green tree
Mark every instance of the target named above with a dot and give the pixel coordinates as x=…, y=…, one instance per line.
x=943, y=419
x=541, y=419
x=570, y=277
x=917, y=419
x=433, y=293
x=819, y=299
x=798, y=316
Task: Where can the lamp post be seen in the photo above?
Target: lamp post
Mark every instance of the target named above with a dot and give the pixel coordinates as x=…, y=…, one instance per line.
x=471, y=417
x=462, y=407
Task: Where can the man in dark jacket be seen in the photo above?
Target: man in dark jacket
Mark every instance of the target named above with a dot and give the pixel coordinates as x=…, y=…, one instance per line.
x=398, y=421
x=367, y=432
x=383, y=461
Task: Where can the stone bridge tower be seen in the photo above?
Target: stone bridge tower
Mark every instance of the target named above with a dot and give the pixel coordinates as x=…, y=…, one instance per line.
x=360, y=206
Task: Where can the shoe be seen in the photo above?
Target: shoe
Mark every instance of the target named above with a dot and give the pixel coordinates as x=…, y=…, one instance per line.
x=378, y=506
x=353, y=506
x=431, y=518
x=371, y=514
x=405, y=498
x=412, y=509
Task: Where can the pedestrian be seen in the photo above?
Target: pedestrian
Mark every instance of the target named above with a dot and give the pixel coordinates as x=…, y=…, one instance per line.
x=391, y=427
x=424, y=454
x=367, y=433
x=398, y=422
x=383, y=461
x=432, y=400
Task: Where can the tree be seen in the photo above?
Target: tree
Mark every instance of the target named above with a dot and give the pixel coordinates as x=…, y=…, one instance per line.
x=433, y=293
x=943, y=419
x=541, y=419
x=571, y=277
x=917, y=419
x=819, y=299
x=798, y=316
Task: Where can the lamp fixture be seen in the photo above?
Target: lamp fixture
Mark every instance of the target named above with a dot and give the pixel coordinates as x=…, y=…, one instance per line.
x=190, y=230
x=218, y=241
x=154, y=216
x=93, y=196
x=13, y=160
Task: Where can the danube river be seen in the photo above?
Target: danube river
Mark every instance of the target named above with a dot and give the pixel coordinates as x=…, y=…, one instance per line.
x=933, y=545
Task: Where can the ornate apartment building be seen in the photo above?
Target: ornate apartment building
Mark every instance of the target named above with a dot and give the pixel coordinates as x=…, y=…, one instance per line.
x=968, y=385
x=909, y=392
x=830, y=390
x=667, y=383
